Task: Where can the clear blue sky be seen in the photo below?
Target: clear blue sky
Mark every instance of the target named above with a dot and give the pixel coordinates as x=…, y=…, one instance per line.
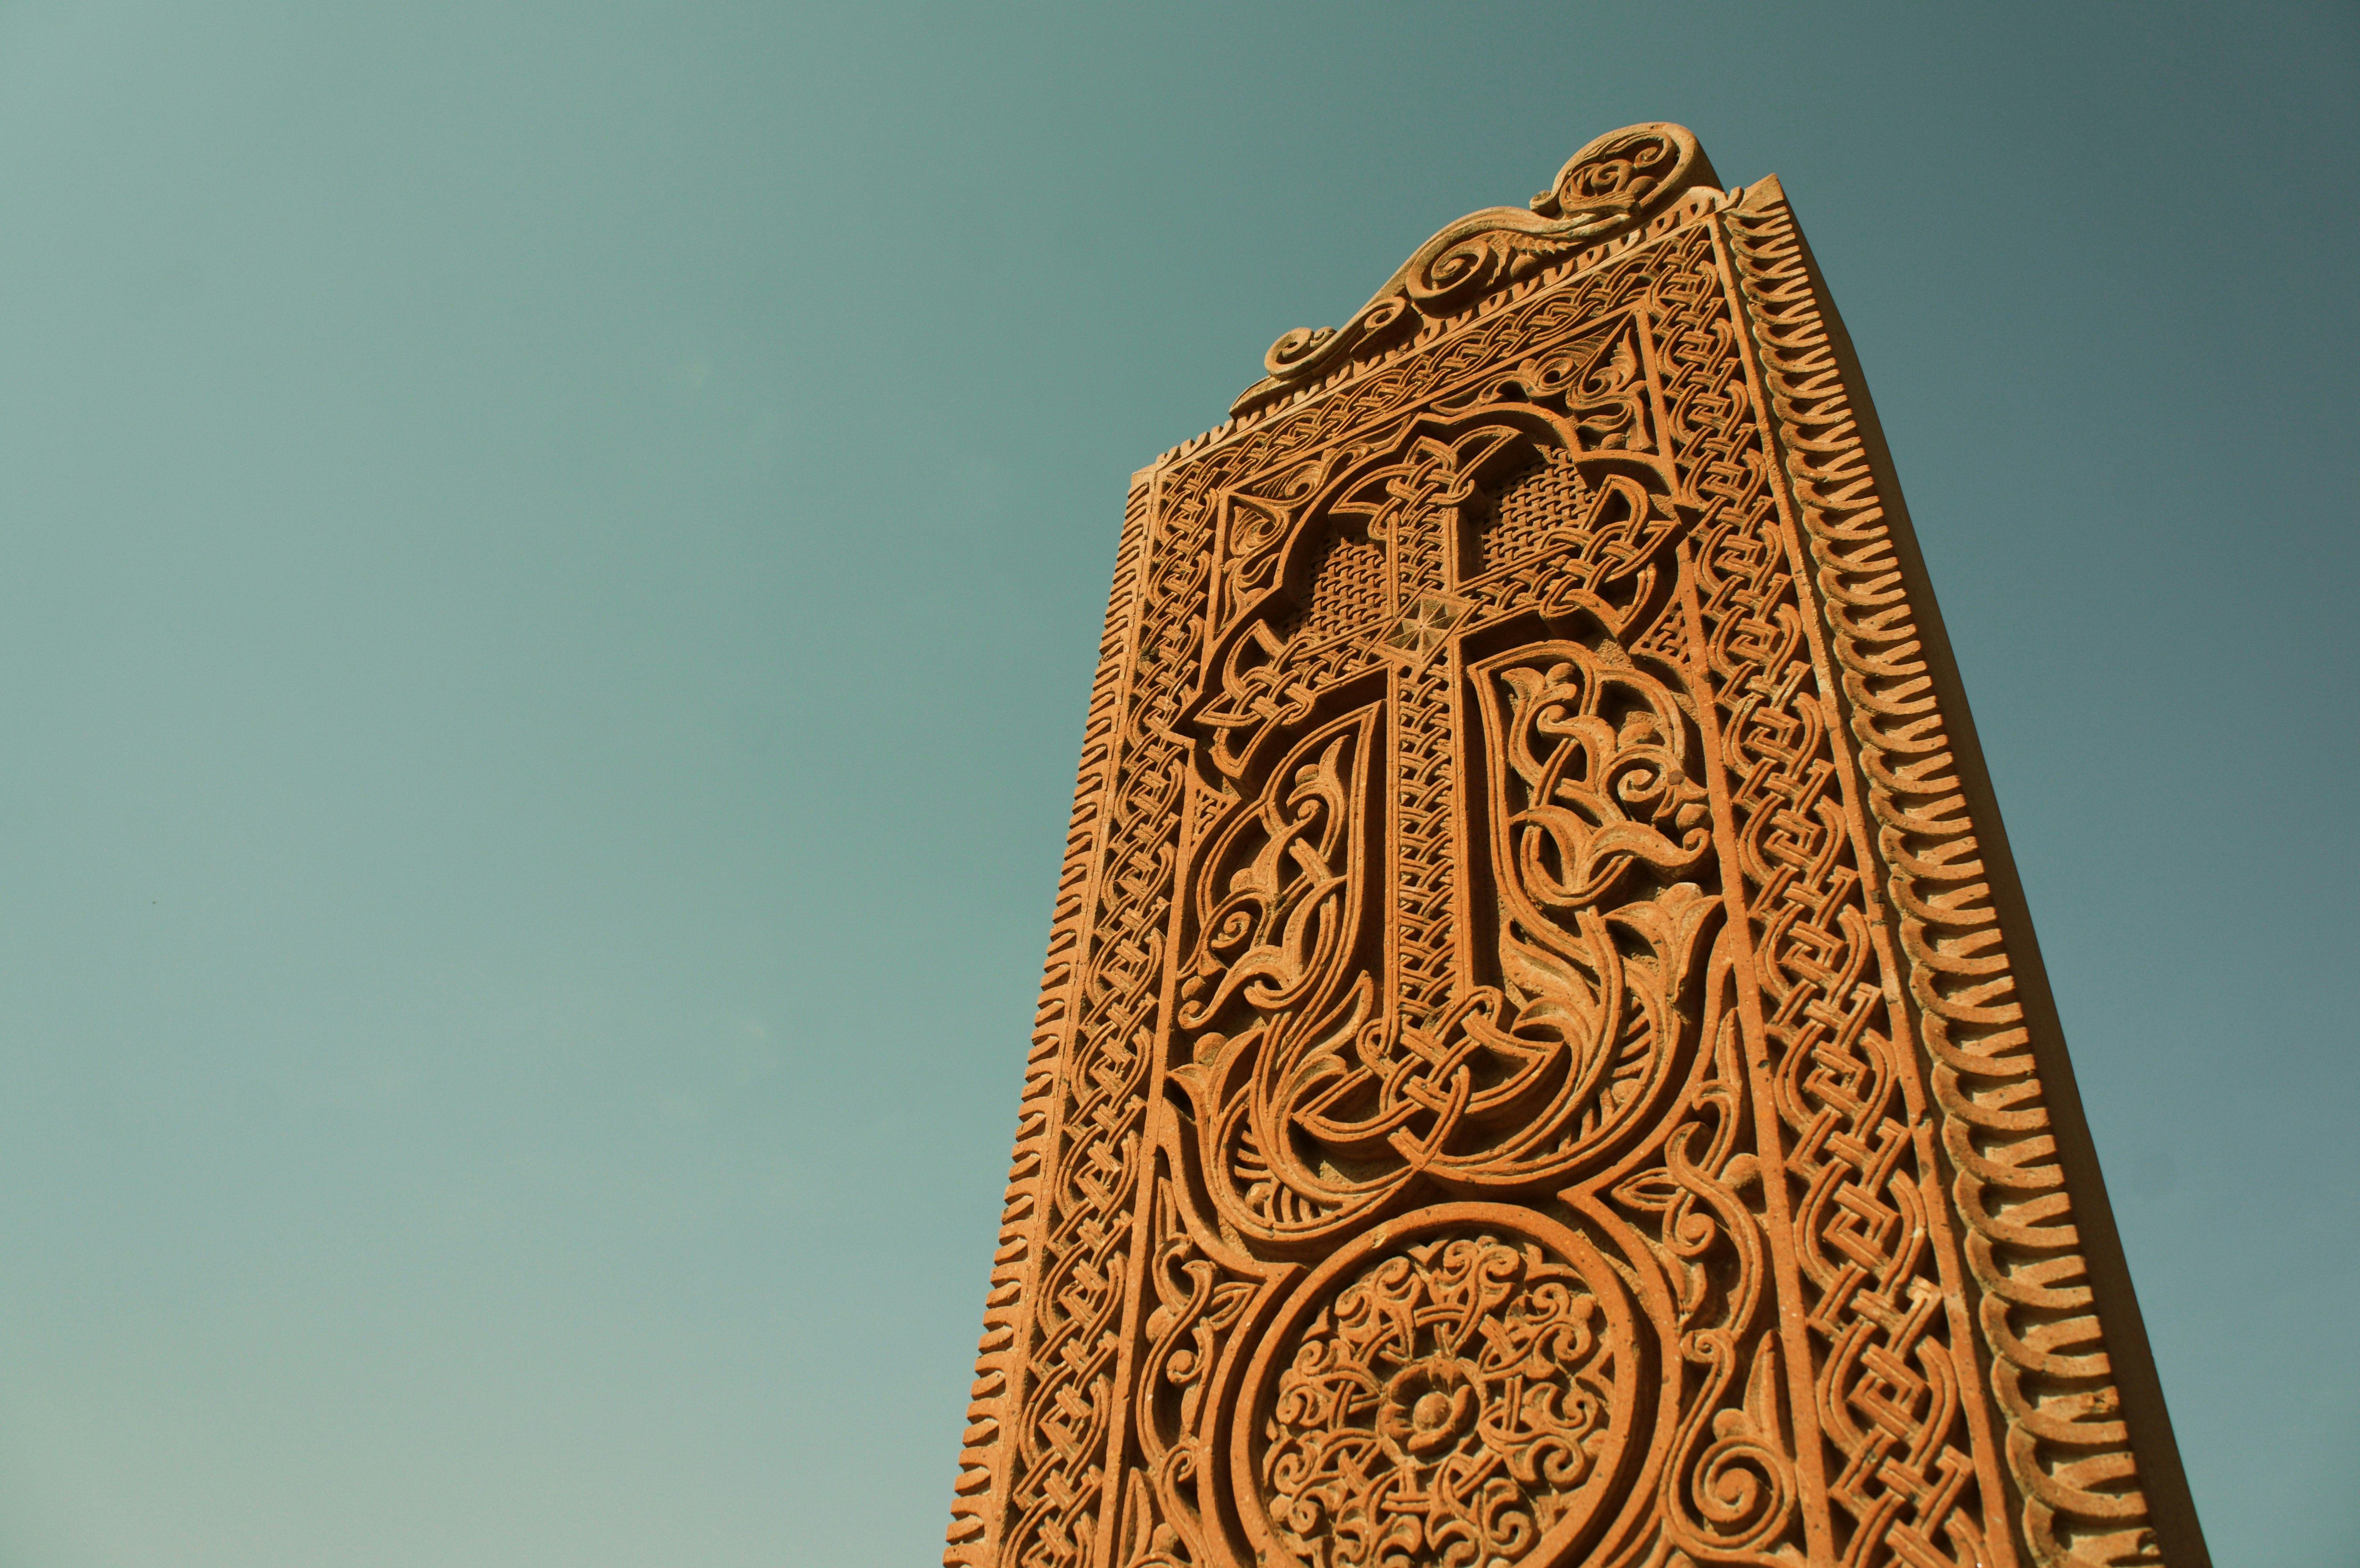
x=549, y=559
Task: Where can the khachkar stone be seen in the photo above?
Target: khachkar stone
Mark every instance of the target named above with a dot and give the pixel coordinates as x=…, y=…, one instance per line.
x=1543, y=1059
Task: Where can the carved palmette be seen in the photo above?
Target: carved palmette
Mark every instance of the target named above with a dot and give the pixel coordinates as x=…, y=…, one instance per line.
x=1530, y=1069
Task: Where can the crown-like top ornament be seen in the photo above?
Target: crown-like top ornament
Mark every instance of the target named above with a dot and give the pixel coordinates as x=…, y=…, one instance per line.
x=1611, y=186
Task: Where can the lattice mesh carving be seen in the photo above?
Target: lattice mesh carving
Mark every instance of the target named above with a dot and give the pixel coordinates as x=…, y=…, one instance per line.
x=1347, y=590
x=1546, y=495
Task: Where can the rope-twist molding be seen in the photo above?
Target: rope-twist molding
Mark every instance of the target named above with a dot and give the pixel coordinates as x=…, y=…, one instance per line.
x=2068, y=1449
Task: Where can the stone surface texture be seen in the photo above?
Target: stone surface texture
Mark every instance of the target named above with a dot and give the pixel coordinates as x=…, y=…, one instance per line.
x=1543, y=1058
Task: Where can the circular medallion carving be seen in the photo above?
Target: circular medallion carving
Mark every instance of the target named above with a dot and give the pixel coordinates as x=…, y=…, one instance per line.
x=1459, y=1388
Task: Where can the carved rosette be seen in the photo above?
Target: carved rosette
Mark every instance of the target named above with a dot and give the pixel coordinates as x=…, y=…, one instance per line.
x=1463, y=1387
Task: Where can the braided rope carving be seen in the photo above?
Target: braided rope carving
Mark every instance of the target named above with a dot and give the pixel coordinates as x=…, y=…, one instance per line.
x=981, y=1492
x=2068, y=1448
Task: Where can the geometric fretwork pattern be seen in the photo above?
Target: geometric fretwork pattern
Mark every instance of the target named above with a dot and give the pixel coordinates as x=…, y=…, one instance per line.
x=1530, y=1069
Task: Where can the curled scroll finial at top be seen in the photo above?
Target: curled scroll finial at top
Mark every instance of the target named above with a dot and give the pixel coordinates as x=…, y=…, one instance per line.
x=1622, y=171
x=1613, y=184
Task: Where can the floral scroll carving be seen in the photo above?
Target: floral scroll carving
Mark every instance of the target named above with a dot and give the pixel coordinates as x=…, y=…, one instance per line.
x=1529, y=1071
x=1328, y=1101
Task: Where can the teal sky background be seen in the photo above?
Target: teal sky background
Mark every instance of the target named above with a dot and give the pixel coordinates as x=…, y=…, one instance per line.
x=549, y=561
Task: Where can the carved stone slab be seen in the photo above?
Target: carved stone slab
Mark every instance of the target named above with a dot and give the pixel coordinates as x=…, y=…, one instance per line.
x=1543, y=1060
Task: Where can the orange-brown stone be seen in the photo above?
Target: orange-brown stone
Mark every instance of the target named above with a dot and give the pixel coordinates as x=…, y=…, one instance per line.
x=1543, y=1059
